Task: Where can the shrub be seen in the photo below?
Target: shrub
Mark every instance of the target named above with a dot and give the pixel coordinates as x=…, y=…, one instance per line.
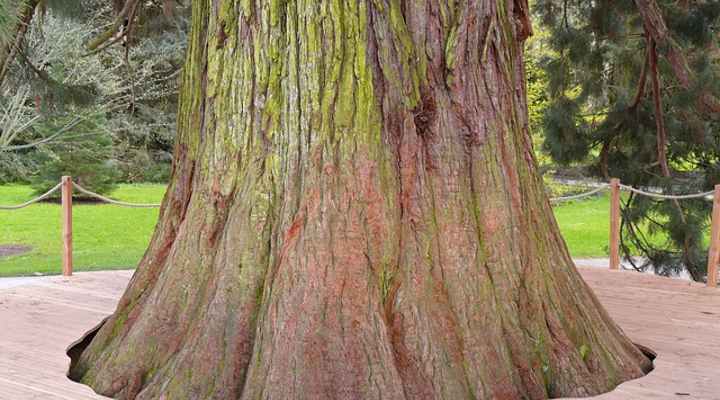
x=87, y=161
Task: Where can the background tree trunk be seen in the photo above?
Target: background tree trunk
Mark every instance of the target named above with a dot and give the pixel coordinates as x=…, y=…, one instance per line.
x=354, y=213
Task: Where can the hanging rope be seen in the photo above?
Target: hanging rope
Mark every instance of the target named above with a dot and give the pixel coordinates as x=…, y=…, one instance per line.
x=604, y=186
x=33, y=201
x=581, y=195
x=660, y=196
x=111, y=201
x=668, y=196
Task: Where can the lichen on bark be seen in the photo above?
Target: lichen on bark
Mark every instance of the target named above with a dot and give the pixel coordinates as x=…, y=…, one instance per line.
x=355, y=213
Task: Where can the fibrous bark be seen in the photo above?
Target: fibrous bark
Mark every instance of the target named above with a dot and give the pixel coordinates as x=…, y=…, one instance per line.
x=355, y=213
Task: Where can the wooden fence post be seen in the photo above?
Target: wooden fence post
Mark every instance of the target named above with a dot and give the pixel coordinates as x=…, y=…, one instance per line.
x=67, y=234
x=614, y=223
x=714, y=252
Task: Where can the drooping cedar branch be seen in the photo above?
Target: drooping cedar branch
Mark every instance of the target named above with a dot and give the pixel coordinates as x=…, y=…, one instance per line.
x=642, y=80
x=661, y=134
x=657, y=30
x=355, y=213
x=124, y=23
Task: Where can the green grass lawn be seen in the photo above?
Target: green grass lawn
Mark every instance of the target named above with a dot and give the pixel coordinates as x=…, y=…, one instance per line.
x=585, y=225
x=111, y=237
x=105, y=236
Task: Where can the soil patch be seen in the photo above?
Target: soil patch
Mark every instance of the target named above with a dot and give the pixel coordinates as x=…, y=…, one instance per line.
x=7, y=250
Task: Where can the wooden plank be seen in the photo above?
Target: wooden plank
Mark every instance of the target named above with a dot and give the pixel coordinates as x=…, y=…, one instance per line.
x=714, y=252
x=681, y=327
x=677, y=319
x=45, y=316
x=67, y=235
x=614, y=223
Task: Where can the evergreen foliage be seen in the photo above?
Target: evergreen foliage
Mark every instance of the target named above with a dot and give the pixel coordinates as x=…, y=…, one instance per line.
x=605, y=111
x=125, y=94
x=87, y=160
x=64, y=8
x=8, y=20
x=536, y=49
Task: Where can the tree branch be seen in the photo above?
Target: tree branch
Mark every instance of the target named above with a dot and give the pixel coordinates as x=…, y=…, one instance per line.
x=40, y=73
x=643, y=79
x=661, y=133
x=113, y=29
x=48, y=139
x=657, y=30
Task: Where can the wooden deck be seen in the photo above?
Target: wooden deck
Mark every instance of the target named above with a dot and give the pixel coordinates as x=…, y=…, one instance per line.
x=678, y=319
x=39, y=317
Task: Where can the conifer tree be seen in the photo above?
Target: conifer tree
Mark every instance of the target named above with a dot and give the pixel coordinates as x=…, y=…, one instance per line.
x=634, y=90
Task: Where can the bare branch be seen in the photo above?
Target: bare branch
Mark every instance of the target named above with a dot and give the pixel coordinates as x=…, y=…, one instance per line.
x=114, y=28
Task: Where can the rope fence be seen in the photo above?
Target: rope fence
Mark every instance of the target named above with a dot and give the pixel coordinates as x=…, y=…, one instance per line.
x=83, y=191
x=703, y=195
x=581, y=195
x=111, y=201
x=615, y=218
x=33, y=201
x=707, y=195
x=67, y=185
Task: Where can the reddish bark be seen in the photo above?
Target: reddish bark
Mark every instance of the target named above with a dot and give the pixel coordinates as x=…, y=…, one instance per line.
x=355, y=213
x=642, y=80
x=661, y=134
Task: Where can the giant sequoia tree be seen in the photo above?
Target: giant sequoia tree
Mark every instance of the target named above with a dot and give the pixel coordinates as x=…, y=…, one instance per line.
x=355, y=213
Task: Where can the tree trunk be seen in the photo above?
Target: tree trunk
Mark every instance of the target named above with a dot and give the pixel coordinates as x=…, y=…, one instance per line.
x=355, y=213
